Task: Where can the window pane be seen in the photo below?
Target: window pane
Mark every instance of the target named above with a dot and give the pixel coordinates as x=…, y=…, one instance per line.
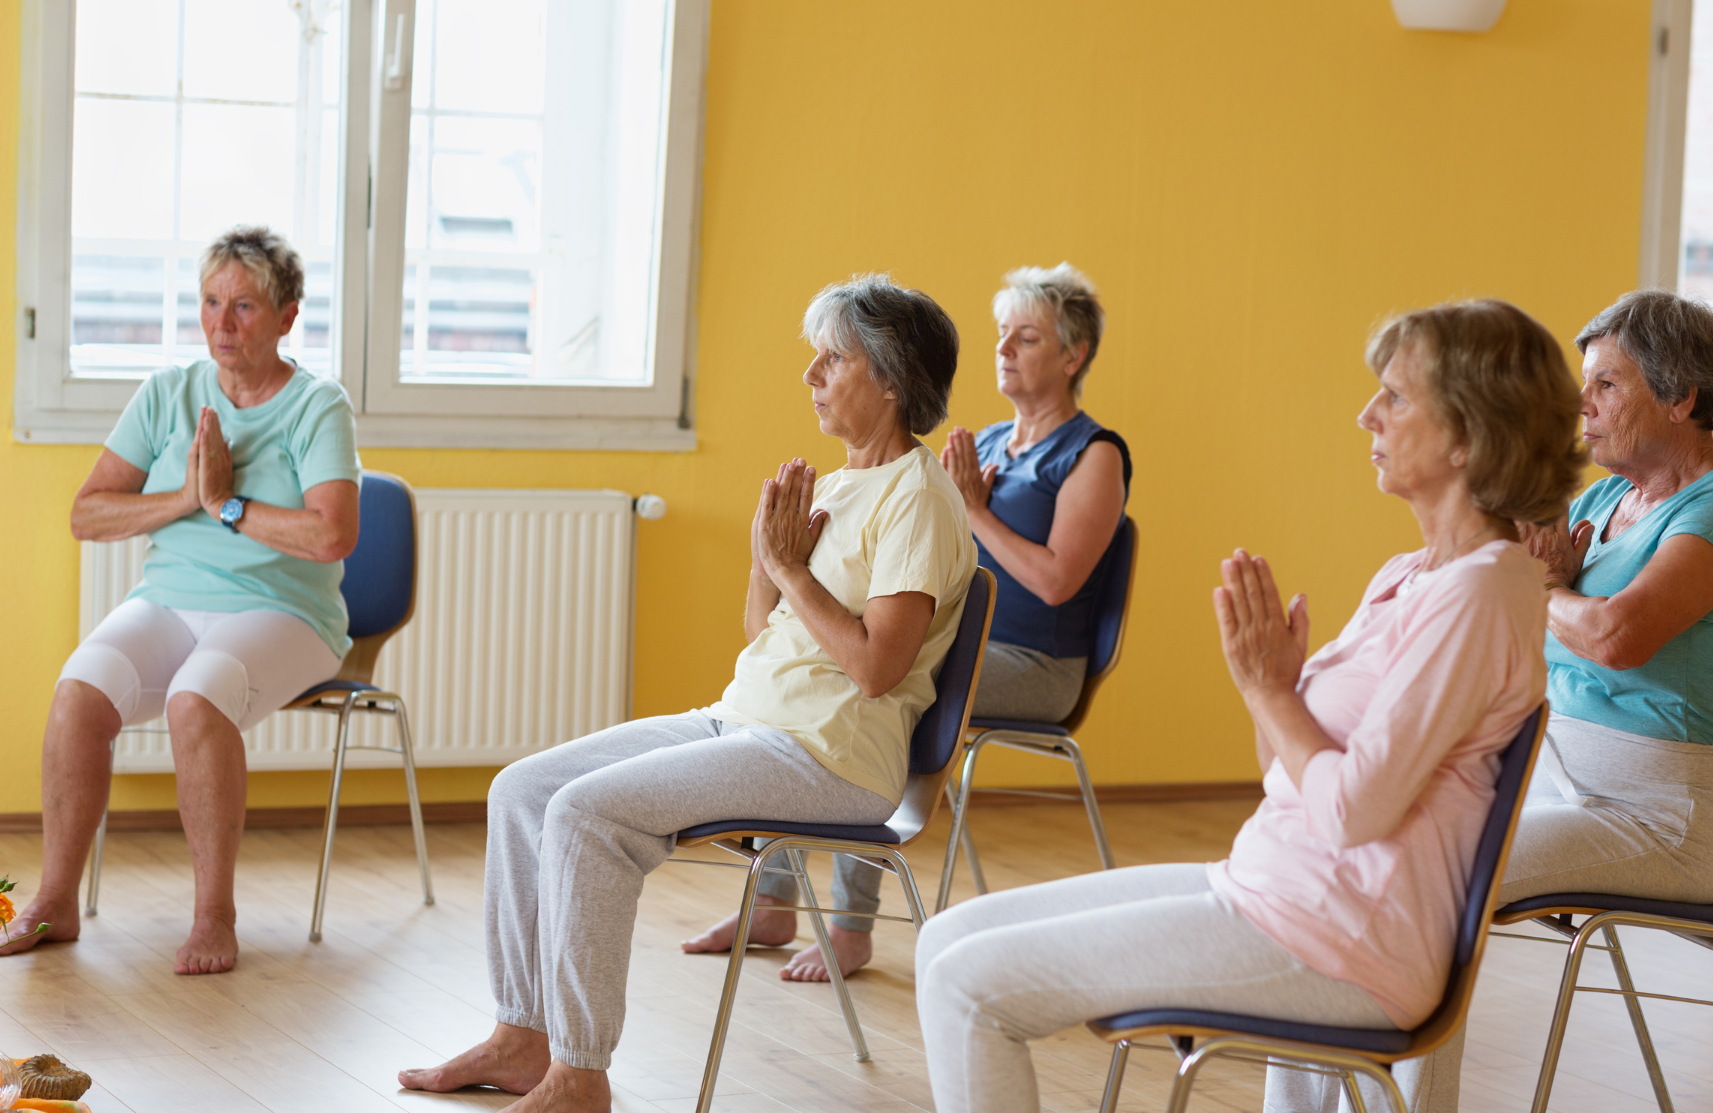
x=252, y=138
x=241, y=50
x=127, y=46
x=530, y=220
x=122, y=174
x=1695, y=276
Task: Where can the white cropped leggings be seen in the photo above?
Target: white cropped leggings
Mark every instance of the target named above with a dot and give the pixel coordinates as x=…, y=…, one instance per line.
x=999, y=970
x=248, y=664
x=573, y=831
x=1607, y=812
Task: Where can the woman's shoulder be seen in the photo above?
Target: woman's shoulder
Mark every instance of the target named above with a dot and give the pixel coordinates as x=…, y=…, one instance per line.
x=1500, y=576
x=1598, y=495
x=318, y=393
x=999, y=431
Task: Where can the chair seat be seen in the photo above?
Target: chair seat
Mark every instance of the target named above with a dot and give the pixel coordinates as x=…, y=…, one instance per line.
x=1386, y=1041
x=1020, y=726
x=329, y=686
x=880, y=833
x=1600, y=902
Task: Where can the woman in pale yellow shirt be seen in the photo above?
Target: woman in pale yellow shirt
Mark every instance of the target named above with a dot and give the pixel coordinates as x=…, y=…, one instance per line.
x=855, y=589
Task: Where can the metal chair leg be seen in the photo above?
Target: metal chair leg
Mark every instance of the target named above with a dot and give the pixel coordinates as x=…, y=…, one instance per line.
x=406, y=748
x=1622, y=969
x=728, y=994
x=959, y=835
x=806, y=890
x=332, y=826
x=1353, y=1093
x=1115, y=1077
x=1096, y=824
x=1561, y=1015
x=96, y=853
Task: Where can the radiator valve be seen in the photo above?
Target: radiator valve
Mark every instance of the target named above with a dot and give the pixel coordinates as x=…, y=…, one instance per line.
x=650, y=507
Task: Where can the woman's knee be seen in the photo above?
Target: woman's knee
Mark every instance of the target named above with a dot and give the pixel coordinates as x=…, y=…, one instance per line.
x=81, y=710
x=209, y=680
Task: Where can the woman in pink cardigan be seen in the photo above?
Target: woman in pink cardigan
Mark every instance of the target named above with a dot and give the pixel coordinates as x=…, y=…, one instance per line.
x=1338, y=904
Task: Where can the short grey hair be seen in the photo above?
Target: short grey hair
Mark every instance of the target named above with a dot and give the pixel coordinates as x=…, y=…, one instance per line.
x=1671, y=340
x=1065, y=294
x=273, y=264
x=910, y=342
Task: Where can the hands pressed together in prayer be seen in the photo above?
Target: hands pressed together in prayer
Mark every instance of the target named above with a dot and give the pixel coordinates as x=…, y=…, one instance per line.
x=1265, y=646
x=786, y=527
x=964, y=466
x=207, y=467
x=1561, y=546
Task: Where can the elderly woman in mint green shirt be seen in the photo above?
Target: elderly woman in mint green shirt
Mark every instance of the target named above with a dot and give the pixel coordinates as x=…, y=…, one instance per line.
x=243, y=471
x=1622, y=798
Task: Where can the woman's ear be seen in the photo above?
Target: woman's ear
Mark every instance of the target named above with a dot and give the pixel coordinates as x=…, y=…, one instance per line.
x=1079, y=355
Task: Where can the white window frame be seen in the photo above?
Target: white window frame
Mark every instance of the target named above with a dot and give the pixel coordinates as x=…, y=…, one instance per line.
x=52, y=406
x=1661, y=255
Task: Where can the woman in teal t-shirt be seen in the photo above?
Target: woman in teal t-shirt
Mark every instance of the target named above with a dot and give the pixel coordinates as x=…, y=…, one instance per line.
x=1622, y=797
x=243, y=471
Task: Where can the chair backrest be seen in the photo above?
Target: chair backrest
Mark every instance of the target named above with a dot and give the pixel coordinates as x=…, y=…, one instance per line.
x=939, y=733
x=380, y=575
x=1117, y=572
x=1491, y=855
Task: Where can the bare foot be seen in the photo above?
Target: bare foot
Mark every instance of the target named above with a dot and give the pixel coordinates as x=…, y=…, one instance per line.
x=513, y=1059
x=854, y=949
x=211, y=949
x=766, y=929
x=567, y=1090
x=62, y=914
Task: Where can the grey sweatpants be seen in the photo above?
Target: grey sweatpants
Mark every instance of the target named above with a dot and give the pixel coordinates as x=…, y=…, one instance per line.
x=1607, y=812
x=999, y=970
x=573, y=830
x=1016, y=683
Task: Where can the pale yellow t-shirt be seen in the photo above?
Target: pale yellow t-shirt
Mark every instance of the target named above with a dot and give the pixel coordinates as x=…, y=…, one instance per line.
x=898, y=527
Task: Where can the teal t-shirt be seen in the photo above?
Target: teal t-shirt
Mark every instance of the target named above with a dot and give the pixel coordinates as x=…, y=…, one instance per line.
x=303, y=436
x=1670, y=697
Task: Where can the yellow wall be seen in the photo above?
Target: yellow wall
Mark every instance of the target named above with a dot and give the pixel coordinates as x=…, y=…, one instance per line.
x=1252, y=185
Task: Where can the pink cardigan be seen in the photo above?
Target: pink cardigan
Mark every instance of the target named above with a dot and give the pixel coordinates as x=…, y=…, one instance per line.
x=1362, y=874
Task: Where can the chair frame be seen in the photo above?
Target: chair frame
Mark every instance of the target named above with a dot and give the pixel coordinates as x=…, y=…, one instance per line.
x=358, y=668
x=1557, y=917
x=922, y=795
x=1062, y=747
x=1344, y=1062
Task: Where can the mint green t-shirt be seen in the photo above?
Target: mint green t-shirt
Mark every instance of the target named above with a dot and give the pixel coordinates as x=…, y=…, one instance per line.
x=303, y=436
x=1670, y=697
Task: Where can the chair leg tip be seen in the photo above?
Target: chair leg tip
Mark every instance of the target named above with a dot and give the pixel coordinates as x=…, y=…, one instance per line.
x=315, y=937
x=428, y=900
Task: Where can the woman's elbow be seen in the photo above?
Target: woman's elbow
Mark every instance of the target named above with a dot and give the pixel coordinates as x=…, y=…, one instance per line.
x=874, y=684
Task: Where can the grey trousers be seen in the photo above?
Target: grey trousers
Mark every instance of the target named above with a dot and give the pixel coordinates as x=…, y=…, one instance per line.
x=1016, y=683
x=1002, y=969
x=1607, y=812
x=572, y=832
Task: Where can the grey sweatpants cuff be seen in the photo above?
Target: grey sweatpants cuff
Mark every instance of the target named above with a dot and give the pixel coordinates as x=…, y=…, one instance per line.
x=519, y=1018
x=581, y=1060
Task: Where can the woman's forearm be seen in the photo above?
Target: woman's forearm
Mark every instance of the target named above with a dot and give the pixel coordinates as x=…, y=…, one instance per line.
x=306, y=534
x=1284, y=725
x=1043, y=572
x=759, y=602
x=117, y=515
x=845, y=638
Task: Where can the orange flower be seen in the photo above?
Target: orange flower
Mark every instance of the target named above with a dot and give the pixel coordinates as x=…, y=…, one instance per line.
x=7, y=912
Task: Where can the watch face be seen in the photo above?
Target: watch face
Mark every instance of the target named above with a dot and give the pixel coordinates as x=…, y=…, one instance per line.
x=231, y=510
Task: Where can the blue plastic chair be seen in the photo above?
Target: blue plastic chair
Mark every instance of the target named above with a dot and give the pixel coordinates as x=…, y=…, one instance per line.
x=380, y=596
x=1117, y=576
x=1336, y=1050
x=933, y=749
x=1605, y=912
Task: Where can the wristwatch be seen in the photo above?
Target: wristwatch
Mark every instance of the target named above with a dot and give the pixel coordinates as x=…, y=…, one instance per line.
x=231, y=511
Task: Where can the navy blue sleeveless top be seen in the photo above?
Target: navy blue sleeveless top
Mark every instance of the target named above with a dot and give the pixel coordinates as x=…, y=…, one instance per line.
x=1025, y=493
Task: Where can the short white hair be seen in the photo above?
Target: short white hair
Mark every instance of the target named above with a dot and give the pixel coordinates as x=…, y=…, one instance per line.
x=1067, y=296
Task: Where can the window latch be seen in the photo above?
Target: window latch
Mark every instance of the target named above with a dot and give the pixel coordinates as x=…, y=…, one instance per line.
x=395, y=59
x=29, y=322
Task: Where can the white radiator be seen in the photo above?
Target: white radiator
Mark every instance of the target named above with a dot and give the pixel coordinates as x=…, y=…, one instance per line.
x=521, y=638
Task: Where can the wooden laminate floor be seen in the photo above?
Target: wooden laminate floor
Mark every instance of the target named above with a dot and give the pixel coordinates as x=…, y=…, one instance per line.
x=303, y=1027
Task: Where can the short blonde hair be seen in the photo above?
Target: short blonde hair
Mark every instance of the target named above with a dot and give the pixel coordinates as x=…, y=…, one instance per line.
x=1067, y=295
x=1498, y=379
x=273, y=264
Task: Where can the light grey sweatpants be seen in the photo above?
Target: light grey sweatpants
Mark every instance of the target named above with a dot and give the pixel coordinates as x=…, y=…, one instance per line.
x=1016, y=683
x=573, y=830
x=1607, y=812
x=999, y=970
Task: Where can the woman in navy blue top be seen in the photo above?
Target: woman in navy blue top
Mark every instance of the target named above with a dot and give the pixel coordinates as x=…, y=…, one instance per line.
x=1045, y=493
